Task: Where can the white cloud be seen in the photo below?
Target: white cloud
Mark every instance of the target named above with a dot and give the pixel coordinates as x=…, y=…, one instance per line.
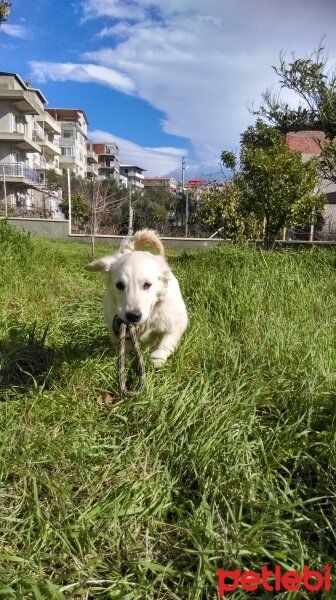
x=17, y=31
x=198, y=63
x=201, y=63
x=156, y=161
x=117, y=9
x=120, y=30
x=84, y=73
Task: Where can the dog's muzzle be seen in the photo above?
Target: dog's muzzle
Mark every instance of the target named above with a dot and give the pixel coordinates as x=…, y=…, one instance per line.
x=117, y=322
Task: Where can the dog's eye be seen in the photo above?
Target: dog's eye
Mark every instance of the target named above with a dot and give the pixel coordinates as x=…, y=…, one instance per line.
x=120, y=285
x=147, y=285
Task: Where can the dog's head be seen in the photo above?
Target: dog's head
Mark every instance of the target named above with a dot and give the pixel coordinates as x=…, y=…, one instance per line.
x=136, y=281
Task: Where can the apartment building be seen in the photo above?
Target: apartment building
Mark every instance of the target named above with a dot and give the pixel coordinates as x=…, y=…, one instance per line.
x=308, y=144
x=73, y=140
x=47, y=132
x=166, y=183
x=92, y=168
x=108, y=159
x=192, y=184
x=28, y=141
x=135, y=177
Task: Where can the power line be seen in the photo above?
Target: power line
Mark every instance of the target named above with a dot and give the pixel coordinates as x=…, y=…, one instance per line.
x=151, y=153
x=179, y=156
x=155, y=158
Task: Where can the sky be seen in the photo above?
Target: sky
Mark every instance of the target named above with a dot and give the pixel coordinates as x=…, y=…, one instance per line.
x=162, y=78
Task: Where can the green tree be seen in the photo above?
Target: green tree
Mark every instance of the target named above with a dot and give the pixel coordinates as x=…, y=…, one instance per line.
x=221, y=208
x=277, y=188
x=313, y=83
x=54, y=181
x=80, y=209
x=152, y=208
x=5, y=8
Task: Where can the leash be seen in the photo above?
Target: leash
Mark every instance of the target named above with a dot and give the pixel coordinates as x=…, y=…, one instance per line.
x=132, y=329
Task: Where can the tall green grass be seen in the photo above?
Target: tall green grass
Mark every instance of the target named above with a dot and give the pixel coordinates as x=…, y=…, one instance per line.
x=226, y=460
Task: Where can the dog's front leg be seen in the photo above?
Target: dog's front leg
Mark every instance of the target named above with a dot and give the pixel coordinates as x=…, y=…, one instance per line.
x=165, y=348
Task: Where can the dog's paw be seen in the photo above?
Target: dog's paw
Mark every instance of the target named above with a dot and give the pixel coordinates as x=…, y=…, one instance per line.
x=158, y=358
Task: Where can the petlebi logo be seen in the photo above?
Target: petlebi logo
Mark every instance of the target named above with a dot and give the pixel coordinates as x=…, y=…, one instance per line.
x=273, y=580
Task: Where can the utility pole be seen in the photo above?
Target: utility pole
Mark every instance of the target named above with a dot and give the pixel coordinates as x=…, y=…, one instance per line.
x=93, y=218
x=5, y=192
x=183, y=169
x=187, y=214
x=69, y=200
x=130, y=211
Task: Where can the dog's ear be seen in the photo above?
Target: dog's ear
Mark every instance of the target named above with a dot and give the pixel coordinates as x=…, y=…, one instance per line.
x=164, y=273
x=164, y=277
x=102, y=264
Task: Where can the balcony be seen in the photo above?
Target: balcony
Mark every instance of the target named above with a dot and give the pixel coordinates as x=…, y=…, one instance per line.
x=112, y=150
x=24, y=101
x=42, y=165
x=113, y=166
x=38, y=131
x=134, y=175
x=133, y=182
x=92, y=157
x=21, y=140
x=49, y=123
x=18, y=172
x=92, y=170
x=50, y=147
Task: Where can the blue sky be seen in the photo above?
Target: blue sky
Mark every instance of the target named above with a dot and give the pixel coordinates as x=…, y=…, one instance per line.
x=163, y=78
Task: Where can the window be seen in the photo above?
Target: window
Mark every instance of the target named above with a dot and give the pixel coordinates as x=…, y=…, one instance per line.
x=67, y=150
x=68, y=133
x=19, y=124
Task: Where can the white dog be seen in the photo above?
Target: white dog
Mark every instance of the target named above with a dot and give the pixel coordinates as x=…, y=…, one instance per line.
x=141, y=289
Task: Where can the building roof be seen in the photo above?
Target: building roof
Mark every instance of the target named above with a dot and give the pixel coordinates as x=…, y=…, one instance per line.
x=132, y=167
x=195, y=183
x=157, y=177
x=66, y=112
x=25, y=85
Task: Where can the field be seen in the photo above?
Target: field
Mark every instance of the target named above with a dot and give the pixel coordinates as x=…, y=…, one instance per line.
x=227, y=460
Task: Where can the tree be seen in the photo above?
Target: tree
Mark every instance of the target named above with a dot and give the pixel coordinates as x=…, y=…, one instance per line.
x=152, y=208
x=4, y=10
x=105, y=199
x=314, y=85
x=94, y=204
x=54, y=181
x=221, y=208
x=80, y=209
x=277, y=189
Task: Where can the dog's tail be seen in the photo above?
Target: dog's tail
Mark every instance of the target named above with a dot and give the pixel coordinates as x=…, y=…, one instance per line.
x=145, y=237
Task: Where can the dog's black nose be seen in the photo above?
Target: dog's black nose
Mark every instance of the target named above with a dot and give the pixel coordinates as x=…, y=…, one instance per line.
x=134, y=316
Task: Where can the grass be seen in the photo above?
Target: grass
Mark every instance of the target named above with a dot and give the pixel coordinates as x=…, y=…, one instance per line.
x=227, y=460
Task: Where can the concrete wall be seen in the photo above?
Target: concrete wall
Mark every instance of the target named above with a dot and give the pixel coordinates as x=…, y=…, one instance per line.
x=58, y=229
x=55, y=229
x=169, y=242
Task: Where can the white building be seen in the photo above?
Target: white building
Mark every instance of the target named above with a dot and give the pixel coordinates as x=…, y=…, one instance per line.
x=28, y=142
x=73, y=141
x=134, y=175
